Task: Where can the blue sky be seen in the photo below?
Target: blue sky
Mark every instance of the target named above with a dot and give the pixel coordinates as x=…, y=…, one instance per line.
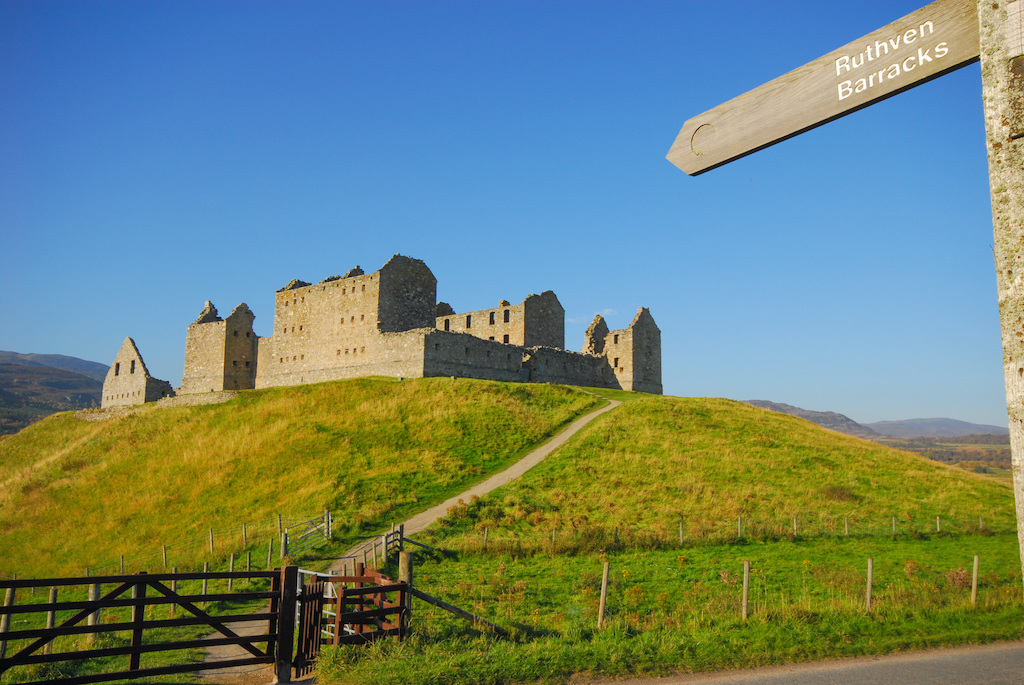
x=155, y=155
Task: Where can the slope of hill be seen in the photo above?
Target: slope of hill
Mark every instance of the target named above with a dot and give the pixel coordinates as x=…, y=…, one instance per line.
x=825, y=419
x=29, y=392
x=933, y=428
x=659, y=460
x=93, y=370
x=76, y=493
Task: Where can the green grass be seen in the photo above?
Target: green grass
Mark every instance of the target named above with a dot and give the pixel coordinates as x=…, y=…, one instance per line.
x=656, y=462
x=678, y=610
x=75, y=494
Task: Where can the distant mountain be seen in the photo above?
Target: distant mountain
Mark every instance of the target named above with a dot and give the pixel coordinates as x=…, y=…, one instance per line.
x=33, y=386
x=825, y=419
x=93, y=370
x=933, y=428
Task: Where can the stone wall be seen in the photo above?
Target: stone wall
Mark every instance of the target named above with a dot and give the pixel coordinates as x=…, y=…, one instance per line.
x=220, y=354
x=467, y=356
x=635, y=354
x=128, y=381
x=537, y=320
x=553, y=365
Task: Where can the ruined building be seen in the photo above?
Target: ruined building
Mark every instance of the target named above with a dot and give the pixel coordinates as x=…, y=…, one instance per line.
x=389, y=323
x=128, y=381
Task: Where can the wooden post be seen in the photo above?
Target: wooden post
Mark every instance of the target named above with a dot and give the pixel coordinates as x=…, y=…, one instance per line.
x=211, y=541
x=746, y=587
x=248, y=560
x=280, y=526
x=138, y=616
x=486, y=533
x=974, y=583
x=871, y=571
x=270, y=554
x=360, y=572
x=604, y=596
x=847, y=522
x=284, y=545
x=1002, y=79
x=174, y=588
x=286, y=624
x=893, y=525
x=405, y=575
x=365, y=552
x=682, y=530
x=616, y=535
x=401, y=537
x=51, y=620
x=206, y=569
x=980, y=524
x=122, y=564
x=245, y=536
x=163, y=551
x=231, y=568
x=794, y=527
x=938, y=525
x=94, y=617
x=5, y=621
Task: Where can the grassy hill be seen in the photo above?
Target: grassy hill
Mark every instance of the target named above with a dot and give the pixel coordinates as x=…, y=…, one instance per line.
x=30, y=391
x=657, y=461
x=76, y=494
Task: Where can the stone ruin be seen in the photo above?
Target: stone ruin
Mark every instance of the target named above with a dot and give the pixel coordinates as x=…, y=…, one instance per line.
x=389, y=323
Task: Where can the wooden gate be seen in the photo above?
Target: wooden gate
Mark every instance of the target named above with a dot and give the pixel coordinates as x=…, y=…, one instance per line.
x=339, y=610
x=272, y=644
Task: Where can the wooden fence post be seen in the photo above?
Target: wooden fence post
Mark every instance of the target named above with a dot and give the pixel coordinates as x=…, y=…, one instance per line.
x=682, y=530
x=405, y=575
x=871, y=570
x=138, y=616
x=980, y=524
x=893, y=525
x=794, y=527
x=270, y=554
x=174, y=588
x=280, y=526
x=211, y=541
x=486, y=533
x=206, y=569
x=231, y=568
x=51, y=620
x=5, y=621
x=604, y=596
x=284, y=545
x=401, y=537
x=286, y=624
x=847, y=521
x=245, y=536
x=94, y=617
x=974, y=583
x=122, y=564
x=163, y=552
x=938, y=525
x=746, y=587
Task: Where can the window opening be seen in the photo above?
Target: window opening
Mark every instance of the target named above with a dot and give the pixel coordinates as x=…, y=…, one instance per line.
x=616, y=339
x=469, y=320
x=616, y=364
x=117, y=368
x=132, y=370
x=446, y=323
x=504, y=338
x=506, y=316
x=492, y=318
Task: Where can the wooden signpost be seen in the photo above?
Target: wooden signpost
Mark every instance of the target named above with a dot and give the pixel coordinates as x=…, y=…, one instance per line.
x=923, y=45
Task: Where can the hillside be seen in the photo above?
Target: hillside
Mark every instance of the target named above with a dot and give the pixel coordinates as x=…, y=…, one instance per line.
x=31, y=391
x=826, y=419
x=659, y=460
x=83, y=367
x=934, y=428
x=76, y=493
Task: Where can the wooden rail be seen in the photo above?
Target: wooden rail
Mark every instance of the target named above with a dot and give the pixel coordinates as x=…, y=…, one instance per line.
x=134, y=593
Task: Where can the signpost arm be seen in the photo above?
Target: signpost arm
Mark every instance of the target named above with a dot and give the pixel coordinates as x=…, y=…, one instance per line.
x=1002, y=75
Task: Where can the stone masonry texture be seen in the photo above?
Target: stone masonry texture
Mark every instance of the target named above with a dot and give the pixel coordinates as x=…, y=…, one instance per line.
x=389, y=323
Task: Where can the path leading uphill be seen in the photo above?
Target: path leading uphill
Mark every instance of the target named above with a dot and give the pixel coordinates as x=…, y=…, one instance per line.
x=262, y=674
x=421, y=521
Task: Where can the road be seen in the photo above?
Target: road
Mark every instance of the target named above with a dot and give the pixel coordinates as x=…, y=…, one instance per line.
x=1001, y=663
